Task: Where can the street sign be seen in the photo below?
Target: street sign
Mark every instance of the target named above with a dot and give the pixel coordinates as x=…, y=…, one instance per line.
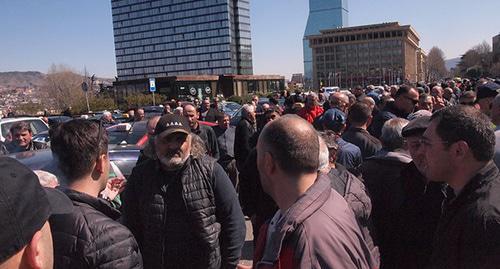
x=152, y=85
x=85, y=86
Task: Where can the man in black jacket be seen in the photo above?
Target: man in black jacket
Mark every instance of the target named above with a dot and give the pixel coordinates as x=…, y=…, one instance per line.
x=244, y=131
x=89, y=237
x=405, y=101
x=206, y=133
x=459, y=146
x=359, y=118
x=421, y=206
x=182, y=207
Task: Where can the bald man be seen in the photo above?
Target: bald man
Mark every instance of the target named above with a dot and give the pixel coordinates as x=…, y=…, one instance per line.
x=288, y=162
x=206, y=133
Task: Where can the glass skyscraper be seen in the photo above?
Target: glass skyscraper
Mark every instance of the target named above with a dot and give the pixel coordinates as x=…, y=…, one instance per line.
x=181, y=37
x=323, y=14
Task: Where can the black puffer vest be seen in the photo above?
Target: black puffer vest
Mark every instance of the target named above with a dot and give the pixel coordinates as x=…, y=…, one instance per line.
x=192, y=211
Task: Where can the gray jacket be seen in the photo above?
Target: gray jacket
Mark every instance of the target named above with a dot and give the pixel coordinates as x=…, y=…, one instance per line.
x=320, y=230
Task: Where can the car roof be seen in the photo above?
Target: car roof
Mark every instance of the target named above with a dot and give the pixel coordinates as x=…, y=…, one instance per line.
x=5, y=120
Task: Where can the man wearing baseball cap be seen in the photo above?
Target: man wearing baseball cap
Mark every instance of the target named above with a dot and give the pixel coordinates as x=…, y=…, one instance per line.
x=25, y=207
x=182, y=208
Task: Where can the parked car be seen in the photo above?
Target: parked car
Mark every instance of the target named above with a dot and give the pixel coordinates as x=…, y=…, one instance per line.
x=230, y=108
x=37, y=125
x=58, y=119
x=123, y=156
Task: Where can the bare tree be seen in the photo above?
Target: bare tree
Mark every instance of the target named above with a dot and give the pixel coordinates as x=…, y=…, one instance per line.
x=436, y=68
x=63, y=86
x=477, y=61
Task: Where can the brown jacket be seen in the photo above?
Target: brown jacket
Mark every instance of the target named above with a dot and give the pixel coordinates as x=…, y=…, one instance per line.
x=318, y=231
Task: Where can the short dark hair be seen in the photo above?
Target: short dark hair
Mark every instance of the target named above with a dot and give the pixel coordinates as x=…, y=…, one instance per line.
x=403, y=89
x=221, y=115
x=77, y=144
x=293, y=143
x=20, y=126
x=466, y=123
x=359, y=113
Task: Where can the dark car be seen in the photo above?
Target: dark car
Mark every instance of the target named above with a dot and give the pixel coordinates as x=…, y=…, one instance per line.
x=58, y=119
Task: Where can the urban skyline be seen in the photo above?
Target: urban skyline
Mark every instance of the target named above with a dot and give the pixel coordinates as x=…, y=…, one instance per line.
x=277, y=31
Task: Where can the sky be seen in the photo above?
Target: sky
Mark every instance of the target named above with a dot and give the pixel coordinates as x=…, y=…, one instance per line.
x=35, y=33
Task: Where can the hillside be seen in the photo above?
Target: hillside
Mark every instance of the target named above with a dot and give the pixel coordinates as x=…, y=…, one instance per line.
x=452, y=63
x=21, y=79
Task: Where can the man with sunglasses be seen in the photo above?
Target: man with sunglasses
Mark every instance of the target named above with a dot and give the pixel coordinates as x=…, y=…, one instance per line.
x=405, y=102
x=458, y=147
x=90, y=236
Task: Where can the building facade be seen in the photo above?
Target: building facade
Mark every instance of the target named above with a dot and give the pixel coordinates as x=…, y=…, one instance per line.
x=323, y=14
x=496, y=48
x=163, y=38
x=377, y=54
x=187, y=87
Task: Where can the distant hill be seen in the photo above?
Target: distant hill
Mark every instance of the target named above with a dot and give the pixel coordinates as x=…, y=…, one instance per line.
x=451, y=63
x=21, y=79
x=33, y=79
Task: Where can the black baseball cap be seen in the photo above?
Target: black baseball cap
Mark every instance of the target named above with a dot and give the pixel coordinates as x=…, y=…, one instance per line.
x=172, y=123
x=25, y=206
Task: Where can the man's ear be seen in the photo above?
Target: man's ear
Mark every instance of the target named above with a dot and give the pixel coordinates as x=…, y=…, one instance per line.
x=460, y=150
x=369, y=122
x=269, y=164
x=101, y=162
x=33, y=251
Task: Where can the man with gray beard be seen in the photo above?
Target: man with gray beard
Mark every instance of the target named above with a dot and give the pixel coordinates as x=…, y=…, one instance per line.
x=182, y=207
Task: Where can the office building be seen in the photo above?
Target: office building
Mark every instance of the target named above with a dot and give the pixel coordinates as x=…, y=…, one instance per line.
x=181, y=37
x=496, y=48
x=386, y=53
x=191, y=47
x=323, y=14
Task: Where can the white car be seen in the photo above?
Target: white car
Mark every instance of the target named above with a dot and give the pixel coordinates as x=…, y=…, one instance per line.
x=37, y=125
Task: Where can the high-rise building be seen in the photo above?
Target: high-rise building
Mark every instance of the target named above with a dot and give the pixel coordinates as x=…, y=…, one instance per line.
x=164, y=38
x=370, y=54
x=496, y=47
x=323, y=14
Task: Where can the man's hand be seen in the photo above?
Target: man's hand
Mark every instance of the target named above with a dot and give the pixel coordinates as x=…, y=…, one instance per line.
x=114, y=187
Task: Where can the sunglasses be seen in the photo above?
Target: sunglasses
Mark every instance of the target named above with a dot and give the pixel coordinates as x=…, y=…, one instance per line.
x=412, y=100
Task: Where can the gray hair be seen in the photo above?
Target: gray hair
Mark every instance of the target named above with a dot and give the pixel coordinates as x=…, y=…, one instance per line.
x=391, y=136
x=246, y=110
x=106, y=113
x=324, y=156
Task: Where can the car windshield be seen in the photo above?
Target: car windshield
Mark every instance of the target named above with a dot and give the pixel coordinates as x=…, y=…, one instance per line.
x=36, y=125
x=136, y=132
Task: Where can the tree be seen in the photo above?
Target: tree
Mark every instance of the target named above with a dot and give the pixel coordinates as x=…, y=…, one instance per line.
x=63, y=87
x=436, y=68
x=477, y=61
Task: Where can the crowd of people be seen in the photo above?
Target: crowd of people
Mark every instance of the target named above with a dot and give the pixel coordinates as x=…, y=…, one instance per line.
x=375, y=177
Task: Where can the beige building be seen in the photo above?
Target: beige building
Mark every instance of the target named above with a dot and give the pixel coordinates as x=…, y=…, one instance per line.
x=386, y=53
